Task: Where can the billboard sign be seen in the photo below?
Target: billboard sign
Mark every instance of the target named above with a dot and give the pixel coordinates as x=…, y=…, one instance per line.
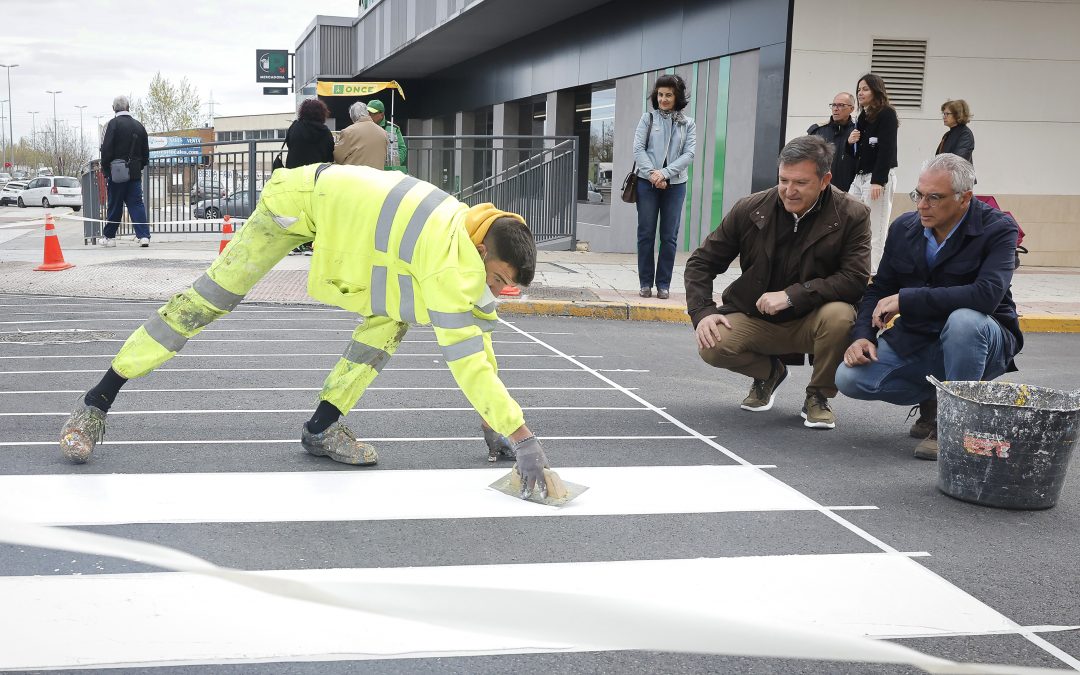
x=272, y=65
x=163, y=149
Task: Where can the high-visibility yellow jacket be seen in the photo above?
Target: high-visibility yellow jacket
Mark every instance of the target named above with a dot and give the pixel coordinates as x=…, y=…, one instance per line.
x=387, y=244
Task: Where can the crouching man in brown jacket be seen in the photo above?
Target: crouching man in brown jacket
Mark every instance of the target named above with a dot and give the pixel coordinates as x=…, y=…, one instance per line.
x=804, y=250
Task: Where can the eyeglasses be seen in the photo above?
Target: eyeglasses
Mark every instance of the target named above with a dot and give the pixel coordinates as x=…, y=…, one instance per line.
x=835, y=106
x=946, y=114
x=932, y=199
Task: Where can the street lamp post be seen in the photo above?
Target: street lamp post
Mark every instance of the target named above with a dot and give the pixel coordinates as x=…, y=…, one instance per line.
x=33, y=126
x=82, y=147
x=99, y=118
x=56, y=143
x=11, y=132
x=3, y=136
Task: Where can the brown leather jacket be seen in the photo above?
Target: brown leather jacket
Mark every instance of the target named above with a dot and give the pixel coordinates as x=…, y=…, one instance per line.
x=834, y=255
x=362, y=143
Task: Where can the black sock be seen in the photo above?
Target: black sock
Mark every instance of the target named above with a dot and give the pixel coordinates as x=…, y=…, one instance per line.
x=325, y=415
x=103, y=395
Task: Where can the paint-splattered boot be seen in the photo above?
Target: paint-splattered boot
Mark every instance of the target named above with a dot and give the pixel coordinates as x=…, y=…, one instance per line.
x=340, y=444
x=82, y=431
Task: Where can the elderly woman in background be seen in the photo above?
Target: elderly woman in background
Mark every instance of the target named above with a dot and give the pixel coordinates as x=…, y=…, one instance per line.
x=663, y=149
x=873, y=144
x=958, y=139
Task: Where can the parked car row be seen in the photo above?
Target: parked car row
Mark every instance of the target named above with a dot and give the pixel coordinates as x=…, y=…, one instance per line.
x=44, y=191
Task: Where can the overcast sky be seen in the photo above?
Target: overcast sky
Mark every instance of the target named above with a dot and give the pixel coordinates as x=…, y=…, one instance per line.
x=93, y=50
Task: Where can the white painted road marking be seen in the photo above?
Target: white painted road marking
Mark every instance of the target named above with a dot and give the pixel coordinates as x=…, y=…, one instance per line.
x=167, y=618
x=106, y=499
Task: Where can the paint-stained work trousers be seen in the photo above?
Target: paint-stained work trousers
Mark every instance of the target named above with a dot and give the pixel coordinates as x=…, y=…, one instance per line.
x=258, y=246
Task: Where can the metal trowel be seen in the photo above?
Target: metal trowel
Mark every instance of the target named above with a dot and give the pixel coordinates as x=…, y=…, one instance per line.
x=560, y=492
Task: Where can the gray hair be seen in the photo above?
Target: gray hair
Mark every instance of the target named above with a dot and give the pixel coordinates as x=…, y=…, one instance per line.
x=121, y=103
x=358, y=111
x=850, y=98
x=959, y=169
x=808, y=148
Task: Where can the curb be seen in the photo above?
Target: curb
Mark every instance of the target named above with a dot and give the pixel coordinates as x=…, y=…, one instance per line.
x=623, y=311
x=617, y=311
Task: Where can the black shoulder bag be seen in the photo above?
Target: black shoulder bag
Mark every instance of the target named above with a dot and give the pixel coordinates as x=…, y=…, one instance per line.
x=629, y=184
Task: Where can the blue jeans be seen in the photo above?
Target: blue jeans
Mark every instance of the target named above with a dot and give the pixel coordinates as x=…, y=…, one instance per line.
x=131, y=195
x=666, y=206
x=971, y=348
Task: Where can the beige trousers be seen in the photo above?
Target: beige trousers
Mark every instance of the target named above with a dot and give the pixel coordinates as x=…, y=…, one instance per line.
x=747, y=347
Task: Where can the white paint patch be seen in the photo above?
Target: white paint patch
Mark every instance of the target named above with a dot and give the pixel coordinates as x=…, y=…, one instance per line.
x=160, y=618
x=280, y=411
x=375, y=494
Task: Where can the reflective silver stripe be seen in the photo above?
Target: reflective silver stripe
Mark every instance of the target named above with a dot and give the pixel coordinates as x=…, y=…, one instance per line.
x=416, y=223
x=450, y=320
x=488, y=308
x=217, y=296
x=322, y=167
x=473, y=345
x=378, y=291
x=363, y=354
x=389, y=209
x=405, y=290
x=164, y=334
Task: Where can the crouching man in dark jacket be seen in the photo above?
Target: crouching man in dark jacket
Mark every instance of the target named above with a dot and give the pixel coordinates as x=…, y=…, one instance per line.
x=804, y=249
x=945, y=277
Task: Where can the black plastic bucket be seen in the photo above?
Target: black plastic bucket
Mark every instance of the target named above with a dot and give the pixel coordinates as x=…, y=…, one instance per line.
x=1003, y=444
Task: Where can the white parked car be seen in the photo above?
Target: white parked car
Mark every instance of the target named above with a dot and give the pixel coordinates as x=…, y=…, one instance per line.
x=49, y=191
x=11, y=191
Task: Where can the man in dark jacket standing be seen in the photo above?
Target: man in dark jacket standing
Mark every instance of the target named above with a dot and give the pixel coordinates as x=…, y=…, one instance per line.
x=125, y=142
x=804, y=249
x=836, y=131
x=945, y=277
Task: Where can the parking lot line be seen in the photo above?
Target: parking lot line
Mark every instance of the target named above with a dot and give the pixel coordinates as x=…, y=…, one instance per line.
x=409, y=439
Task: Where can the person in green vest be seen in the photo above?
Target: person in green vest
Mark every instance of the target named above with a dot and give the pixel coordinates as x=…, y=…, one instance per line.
x=396, y=152
x=392, y=248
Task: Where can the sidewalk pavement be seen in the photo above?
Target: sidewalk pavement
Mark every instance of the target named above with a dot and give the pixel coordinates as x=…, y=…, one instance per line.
x=567, y=283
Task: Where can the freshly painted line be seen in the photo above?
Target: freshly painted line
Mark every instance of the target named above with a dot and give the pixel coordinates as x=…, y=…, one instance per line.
x=176, y=618
x=843, y=522
x=143, y=318
x=209, y=389
x=851, y=508
x=363, y=495
x=1031, y=629
x=201, y=339
x=142, y=313
x=275, y=411
x=295, y=441
x=284, y=355
x=302, y=370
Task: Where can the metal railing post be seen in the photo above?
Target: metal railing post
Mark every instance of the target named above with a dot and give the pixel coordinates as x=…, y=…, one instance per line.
x=251, y=173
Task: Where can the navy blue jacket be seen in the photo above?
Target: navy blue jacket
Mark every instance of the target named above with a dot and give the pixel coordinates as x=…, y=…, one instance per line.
x=974, y=271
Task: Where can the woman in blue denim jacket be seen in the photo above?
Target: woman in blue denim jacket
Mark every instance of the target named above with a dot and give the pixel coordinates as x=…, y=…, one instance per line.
x=662, y=166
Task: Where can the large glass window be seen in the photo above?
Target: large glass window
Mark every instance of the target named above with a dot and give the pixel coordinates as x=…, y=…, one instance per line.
x=597, y=114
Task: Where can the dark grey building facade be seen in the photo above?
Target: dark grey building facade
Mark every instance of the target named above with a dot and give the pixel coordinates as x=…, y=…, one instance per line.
x=583, y=68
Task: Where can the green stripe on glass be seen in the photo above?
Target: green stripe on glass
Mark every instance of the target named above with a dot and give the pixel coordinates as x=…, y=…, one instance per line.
x=723, y=82
x=689, y=198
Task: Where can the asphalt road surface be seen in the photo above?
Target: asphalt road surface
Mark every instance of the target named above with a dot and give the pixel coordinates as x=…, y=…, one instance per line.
x=691, y=499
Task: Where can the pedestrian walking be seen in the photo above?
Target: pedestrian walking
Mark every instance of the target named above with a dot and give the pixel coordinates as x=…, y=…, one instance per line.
x=125, y=151
x=394, y=249
x=664, y=143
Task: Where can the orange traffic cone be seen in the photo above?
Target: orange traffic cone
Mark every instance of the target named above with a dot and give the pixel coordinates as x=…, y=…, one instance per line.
x=54, y=257
x=510, y=291
x=226, y=234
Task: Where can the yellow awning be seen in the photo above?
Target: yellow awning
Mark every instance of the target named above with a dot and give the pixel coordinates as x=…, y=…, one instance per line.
x=356, y=88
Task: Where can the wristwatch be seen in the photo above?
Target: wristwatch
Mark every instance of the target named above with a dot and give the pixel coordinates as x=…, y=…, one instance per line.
x=789, y=302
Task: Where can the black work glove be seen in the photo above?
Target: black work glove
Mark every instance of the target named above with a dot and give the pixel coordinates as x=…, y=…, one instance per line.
x=498, y=445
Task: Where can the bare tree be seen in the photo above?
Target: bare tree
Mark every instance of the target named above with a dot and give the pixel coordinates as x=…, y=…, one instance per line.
x=168, y=106
x=66, y=157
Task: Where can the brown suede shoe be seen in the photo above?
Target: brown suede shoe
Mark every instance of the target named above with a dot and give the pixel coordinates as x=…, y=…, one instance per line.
x=928, y=447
